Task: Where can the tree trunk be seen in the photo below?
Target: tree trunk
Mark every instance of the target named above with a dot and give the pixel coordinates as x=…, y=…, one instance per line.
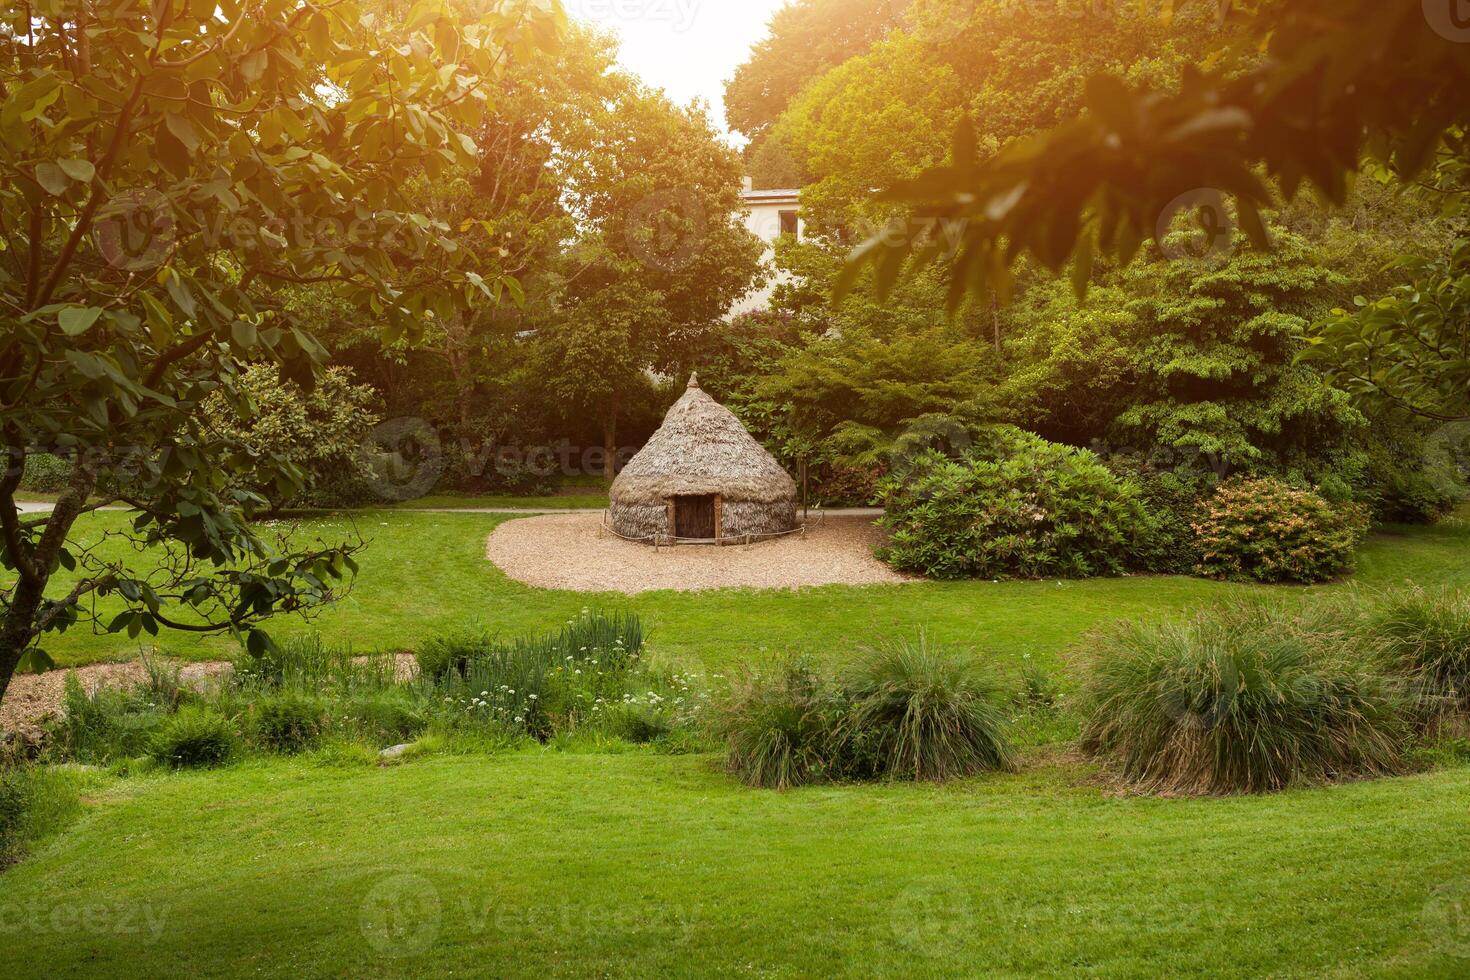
x=16, y=630
x=610, y=447
x=19, y=627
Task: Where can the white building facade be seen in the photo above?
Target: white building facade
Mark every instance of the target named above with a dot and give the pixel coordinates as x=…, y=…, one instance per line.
x=769, y=215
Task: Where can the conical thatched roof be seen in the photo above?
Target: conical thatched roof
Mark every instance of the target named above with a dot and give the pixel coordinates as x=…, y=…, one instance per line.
x=703, y=449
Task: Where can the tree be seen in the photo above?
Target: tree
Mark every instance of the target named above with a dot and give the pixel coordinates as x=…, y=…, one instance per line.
x=1190, y=354
x=1340, y=80
x=1409, y=350
x=662, y=256
x=167, y=169
x=806, y=38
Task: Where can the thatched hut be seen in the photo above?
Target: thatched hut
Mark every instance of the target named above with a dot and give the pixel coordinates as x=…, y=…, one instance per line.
x=702, y=477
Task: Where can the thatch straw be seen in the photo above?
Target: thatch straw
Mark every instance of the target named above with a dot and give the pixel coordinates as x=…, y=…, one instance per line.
x=703, y=450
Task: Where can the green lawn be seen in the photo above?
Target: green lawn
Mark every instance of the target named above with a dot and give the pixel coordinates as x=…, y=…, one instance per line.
x=540, y=863
x=427, y=572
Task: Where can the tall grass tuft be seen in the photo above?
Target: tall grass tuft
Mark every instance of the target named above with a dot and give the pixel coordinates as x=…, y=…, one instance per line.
x=778, y=727
x=1426, y=636
x=1242, y=699
x=536, y=684
x=309, y=664
x=921, y=712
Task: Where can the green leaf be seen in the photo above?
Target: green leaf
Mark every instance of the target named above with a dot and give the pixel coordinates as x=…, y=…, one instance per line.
x=77, y=320
x=87, y=365
x=259, y=643
x=35, y=661
x=79, y=170
x=52, y=178
x=183, y=131
x=244, y=333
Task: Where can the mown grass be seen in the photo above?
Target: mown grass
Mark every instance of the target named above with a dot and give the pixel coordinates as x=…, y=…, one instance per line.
x=426, y=573
x=540, y=863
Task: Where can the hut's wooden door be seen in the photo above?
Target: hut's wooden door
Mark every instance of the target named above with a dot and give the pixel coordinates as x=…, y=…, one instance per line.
x=694, y=517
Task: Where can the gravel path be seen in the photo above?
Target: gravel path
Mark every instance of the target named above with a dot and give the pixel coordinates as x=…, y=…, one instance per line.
x=33, y=698
x=570, y=552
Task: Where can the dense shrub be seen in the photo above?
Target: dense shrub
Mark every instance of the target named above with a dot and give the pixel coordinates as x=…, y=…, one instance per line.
x=322, y=430
x=46, y=473
x=1396, y=480
x=1171, y=496
x=1022, y=507
x=1265, y=530
x=1426, y=636
x=286, y=723
x=1241, y=699
x=839, y=485
x=779, y=727
x=917, y=712
x=195, y=737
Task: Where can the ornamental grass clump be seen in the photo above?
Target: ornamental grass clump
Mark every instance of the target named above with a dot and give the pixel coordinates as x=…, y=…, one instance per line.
x=779, y=727
x=1426, y=637
x=1243, y=699
x=916, y=711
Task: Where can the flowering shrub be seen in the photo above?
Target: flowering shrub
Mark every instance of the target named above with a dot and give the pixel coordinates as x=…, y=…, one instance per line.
x=1268, y=531
x=1019, y=507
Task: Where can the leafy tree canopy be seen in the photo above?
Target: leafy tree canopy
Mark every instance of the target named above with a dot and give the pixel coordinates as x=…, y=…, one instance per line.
x=168, y=169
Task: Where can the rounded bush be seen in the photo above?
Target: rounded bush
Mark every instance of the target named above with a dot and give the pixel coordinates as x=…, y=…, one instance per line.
x=1241, y=699
x=195, y=737
x=917, y=712
x=1267, y=531
x=287, y=724
x=1017, y=507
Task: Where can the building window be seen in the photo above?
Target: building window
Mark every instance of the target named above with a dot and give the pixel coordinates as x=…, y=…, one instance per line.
x=789, y=224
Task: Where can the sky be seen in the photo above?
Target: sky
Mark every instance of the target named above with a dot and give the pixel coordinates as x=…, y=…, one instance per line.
x=688, y=48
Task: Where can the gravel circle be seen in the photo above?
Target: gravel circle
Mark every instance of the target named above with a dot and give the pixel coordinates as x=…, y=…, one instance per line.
x=571, y=552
